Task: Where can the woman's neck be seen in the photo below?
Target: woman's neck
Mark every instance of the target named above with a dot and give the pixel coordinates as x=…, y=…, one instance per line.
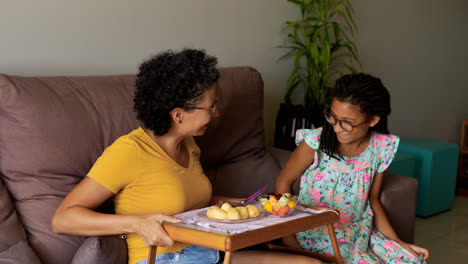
x=170, y=143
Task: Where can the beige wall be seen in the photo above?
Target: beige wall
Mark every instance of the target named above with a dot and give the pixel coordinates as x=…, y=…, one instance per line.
x=84, y=37
x=417, y=47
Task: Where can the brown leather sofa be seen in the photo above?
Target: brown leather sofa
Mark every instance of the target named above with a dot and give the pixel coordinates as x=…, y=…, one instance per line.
x=52, y=129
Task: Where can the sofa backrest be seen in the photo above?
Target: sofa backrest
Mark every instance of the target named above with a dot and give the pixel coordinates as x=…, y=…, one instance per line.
x=52, y=130
x=233, y=148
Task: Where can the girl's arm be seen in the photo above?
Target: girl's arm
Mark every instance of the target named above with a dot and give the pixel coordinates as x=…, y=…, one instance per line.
x=297, y=163
x=75, y=216
x=381, y=222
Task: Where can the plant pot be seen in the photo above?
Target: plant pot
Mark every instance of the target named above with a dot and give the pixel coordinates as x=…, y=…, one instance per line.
x=290, y=118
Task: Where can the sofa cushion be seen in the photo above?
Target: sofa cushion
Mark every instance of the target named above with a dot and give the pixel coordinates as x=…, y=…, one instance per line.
x=52, y=129
x=102, y=249
x=242, y=178
x=19, y=253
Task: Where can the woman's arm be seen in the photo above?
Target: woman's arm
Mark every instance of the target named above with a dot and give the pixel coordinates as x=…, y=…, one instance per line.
x=75, y=216
x=297, y=163
x=381, y=222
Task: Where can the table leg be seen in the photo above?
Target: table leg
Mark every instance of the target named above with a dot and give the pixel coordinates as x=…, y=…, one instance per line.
x=336, y=247
x=152, y=255
x=227, y=257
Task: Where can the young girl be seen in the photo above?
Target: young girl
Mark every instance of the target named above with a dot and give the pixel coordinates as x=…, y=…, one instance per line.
x=342, y=167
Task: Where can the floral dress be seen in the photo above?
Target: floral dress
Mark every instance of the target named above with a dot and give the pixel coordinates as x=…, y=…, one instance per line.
x=345, y=185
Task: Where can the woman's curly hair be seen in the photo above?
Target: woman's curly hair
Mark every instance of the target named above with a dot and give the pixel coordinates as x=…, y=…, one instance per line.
x=369, y=94
x=170, y=80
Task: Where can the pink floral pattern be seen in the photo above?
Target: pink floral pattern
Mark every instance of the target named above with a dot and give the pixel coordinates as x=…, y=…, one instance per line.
x=344, y=185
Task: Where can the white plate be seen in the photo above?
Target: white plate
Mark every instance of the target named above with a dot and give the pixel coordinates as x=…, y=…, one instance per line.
x=202, y=214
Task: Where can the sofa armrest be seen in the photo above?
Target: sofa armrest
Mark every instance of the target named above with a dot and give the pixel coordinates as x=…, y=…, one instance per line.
x=19, y=253
x=14, y=246
x=102, y=249
x=398, y=197
x=11, y=227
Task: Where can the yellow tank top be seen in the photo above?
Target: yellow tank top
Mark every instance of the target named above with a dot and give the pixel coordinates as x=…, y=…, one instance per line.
x=146, y=180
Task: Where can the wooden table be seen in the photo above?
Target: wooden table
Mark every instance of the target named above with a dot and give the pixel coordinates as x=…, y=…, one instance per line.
x=232, y=242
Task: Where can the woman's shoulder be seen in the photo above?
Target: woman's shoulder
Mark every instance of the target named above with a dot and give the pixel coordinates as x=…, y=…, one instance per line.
x=310, y=136
x=128, y=142
x=131, y=138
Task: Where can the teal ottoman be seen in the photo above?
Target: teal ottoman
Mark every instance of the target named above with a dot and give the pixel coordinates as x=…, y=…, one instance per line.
x=403, y=164
x=436, y=172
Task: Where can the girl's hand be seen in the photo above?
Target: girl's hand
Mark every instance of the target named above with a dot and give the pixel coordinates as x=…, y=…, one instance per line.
x=149, y=228
x=291, y=241
x=420, y=250
x=416, y=250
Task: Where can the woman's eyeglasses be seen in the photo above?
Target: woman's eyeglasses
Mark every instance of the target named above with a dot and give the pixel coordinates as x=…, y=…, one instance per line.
x=212, y=110
x=345, y=125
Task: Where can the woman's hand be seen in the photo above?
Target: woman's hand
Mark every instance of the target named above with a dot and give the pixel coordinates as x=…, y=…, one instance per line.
x=291, y=241
x=416, y=250
x=149, y=228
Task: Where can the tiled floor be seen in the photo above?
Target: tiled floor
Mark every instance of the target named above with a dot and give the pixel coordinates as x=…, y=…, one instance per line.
x=445, y=235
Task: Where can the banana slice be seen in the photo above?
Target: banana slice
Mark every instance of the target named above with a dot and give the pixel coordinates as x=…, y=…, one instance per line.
x=253, y=210
x=233, y=214
x=216, y=213
x=244, y=214
x=226, y=206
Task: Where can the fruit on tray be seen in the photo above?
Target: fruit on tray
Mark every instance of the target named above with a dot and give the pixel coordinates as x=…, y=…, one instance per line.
x=226, y=206
x=244, y=214
x=216, y=213
x=252, y=210
x=233, y=214
x=229, y=212
x=278, y=204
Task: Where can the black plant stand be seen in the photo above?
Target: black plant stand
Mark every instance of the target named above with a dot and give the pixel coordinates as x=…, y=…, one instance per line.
x=291, y=118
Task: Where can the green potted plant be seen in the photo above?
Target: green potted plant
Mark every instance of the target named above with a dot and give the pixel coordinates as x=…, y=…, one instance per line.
x=323, y=43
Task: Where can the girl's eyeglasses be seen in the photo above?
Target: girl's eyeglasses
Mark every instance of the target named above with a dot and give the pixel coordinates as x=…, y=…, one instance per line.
x=345, y=125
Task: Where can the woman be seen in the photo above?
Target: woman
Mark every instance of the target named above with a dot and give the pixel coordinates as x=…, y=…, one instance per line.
x=155, y=172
